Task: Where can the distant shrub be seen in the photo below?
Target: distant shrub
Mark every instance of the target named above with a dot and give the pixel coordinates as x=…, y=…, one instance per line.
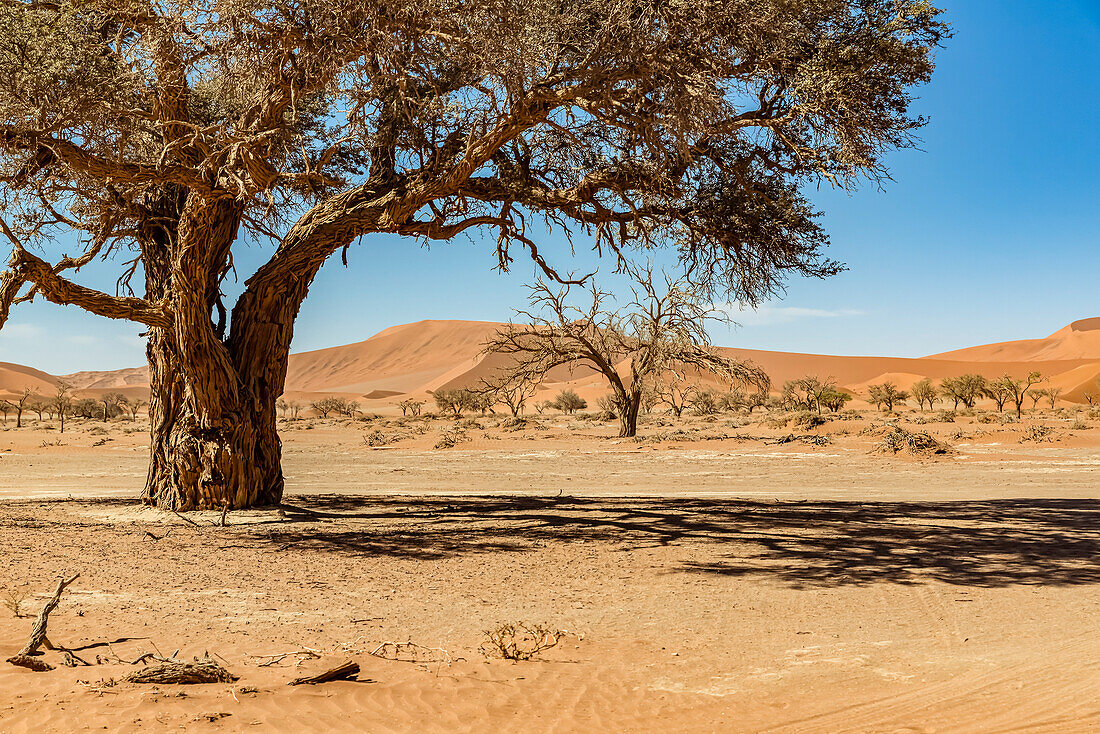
x=806, y=419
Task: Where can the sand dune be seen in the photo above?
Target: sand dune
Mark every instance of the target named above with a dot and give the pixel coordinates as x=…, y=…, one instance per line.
x=415, y=359
x=1079, y=340
x=14, y=378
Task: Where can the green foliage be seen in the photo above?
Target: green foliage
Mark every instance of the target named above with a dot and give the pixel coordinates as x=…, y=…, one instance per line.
x=568, y=401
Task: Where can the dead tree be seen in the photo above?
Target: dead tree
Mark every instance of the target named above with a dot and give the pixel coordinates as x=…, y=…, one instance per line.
x=169, y=134
x=662, y=330
x=512, y=387
x=62, y=402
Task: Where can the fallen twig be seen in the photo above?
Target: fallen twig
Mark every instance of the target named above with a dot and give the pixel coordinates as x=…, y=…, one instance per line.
x=409, y=652
x=198, y=528
x=346, y=671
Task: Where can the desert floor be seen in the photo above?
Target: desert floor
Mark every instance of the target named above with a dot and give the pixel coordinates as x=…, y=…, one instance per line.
x=706, y=577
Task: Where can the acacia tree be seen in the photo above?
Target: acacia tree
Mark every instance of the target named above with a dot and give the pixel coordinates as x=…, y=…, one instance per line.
x=661, y=332
x=164, y=134
x=886, y=395
x=62, y=402
x=924, y=392
x=1017, y=389
x=999, y=391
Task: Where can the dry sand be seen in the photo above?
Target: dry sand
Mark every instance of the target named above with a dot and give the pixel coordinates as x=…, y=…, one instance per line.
x=708, y=580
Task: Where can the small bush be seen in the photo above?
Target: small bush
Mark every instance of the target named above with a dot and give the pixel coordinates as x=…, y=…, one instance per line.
x=520, y=641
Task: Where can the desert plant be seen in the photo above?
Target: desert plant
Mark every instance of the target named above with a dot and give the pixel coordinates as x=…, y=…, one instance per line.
x=568, y=401
x=520, y=641
x=919, y=443
x=965, y=389
x=674, y=393
x=456, y=400
x=1018, y=388
x=705, y=402
x=1052, y=395
x=925, y=393
x=806, y=419
x=325, y=406
x=1037, y=433
x=833, y=399
x=62, y=402
x=886, y=395
x=410, y=407
x=13, y=600
x=451, y=437
x=999, y=392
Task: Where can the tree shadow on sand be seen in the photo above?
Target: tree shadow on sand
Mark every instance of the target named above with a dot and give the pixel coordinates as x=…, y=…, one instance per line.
x=974, y=543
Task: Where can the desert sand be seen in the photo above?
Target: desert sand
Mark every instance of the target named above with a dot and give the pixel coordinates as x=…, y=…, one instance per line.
x=727, y=573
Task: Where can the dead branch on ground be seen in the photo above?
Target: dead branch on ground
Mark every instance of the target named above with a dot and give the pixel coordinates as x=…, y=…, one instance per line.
x=26, y=657
x=346, y=671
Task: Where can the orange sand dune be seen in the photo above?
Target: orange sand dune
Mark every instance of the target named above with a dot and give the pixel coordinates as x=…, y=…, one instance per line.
x=1079, y=340
x=414, y=359
x=14, y=378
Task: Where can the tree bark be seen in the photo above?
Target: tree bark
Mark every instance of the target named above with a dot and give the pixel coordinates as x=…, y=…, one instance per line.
x=213, y=440
x=628, y=416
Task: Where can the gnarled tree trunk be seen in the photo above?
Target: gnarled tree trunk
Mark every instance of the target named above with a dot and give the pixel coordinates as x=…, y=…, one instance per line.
x=213, y=436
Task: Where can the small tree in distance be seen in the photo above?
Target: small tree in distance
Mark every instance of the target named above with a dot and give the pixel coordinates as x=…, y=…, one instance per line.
x=1017, y=389
x=62, y=402
x=886, y=395
x=661, y=332
x=411, y=407
x=1000, y=392
x=1053, y=393
x=568, y=401
x=924, y=392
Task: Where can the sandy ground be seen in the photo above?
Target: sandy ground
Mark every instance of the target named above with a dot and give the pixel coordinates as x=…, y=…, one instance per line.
x=707, y=580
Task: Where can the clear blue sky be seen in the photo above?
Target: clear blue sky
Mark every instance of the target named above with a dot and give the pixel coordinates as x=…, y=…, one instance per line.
x=988, y=233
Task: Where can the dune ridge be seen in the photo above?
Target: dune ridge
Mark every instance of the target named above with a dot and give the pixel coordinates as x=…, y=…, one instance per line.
x=411, y=360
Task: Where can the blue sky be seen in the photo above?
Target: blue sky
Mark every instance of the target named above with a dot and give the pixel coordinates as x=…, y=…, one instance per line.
x=988, y=233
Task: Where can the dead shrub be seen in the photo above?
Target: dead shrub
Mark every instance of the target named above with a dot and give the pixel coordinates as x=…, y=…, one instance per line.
x=13, y=600
x=375, y=438
x=451, y=437
x=1037, y=434
x=918, y=443
x=520, y=641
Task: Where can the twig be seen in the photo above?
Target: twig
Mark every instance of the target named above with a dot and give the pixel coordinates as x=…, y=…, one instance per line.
x=225, y=511
x=197, y=527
